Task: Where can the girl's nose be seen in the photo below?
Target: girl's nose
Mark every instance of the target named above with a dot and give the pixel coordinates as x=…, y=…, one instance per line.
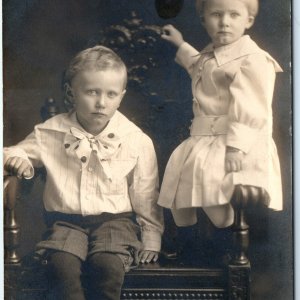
x=224, y=20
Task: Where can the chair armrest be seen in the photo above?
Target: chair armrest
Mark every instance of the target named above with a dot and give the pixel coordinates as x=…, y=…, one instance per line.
x=11, y=227
x=243, y=197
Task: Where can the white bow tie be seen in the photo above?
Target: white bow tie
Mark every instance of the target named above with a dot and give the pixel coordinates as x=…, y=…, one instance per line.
x=83, y=144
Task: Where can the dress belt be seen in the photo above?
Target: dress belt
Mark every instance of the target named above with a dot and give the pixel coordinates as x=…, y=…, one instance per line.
x=209, y=125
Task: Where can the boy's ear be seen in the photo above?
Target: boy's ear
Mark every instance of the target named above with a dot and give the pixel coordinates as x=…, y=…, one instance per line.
x=124, y=92
x=69, y=92
x=250, y=22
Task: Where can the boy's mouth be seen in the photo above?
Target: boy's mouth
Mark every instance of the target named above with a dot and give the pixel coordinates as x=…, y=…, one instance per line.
x=98, y=113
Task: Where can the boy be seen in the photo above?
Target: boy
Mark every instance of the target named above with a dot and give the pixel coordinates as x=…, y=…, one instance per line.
x=101, y=169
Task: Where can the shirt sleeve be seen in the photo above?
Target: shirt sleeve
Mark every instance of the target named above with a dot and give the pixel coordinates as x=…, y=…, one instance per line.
x=251, y=93
x=187, y=56
x=28, y=149
x=144, y=195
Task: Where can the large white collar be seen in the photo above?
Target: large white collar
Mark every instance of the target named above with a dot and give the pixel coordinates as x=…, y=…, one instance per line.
x=242, y=47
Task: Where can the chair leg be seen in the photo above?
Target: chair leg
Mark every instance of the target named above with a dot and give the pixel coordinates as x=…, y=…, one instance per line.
x=239, y=267
x=239, y=282
x=11, y=227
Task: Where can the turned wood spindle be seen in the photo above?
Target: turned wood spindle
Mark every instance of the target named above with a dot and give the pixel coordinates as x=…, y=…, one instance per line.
x=11, y=227
x=240, y=226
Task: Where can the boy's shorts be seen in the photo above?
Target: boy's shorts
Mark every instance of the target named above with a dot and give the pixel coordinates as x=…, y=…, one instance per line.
x=84, y=236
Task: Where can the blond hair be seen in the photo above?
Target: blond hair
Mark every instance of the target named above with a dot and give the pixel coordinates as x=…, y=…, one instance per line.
x=252, y=6
x=95, y=58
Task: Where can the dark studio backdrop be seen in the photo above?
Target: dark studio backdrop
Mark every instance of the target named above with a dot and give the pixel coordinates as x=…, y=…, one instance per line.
x=41, y=36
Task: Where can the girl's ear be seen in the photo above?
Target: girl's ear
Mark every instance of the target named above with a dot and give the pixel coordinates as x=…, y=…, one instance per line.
x=250, y=22
x=202, y=20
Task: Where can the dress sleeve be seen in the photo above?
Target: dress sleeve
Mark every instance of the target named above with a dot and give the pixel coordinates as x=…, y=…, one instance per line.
x=187, y=56
x=144, y=195
x=28, y=149
x=251, y=93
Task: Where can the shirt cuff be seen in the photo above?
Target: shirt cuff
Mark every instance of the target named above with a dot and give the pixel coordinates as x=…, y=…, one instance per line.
x=185, y=51
x=151, y=240
x=241, y=136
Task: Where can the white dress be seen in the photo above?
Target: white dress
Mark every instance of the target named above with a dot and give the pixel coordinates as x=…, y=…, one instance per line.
x=232, y=88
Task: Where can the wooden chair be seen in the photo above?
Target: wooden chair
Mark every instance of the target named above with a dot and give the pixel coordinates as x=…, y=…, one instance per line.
x=168, y=279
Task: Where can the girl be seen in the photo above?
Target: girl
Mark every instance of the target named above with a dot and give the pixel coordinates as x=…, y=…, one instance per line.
x=230, y=139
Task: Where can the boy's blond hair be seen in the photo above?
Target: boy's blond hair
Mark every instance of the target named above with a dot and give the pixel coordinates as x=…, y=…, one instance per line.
x=96, y=58
x=252, y=6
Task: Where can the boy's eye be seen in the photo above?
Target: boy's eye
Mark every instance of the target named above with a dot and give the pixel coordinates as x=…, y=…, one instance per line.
x=112, y=94
x=215, y=14
x=92, y=92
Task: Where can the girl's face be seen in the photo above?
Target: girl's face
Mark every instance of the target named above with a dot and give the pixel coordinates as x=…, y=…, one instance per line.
x=226, y=20
x=97, y=95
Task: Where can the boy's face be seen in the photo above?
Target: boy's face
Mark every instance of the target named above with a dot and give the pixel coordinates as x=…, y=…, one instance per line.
x=226, y=20
x=97, y=95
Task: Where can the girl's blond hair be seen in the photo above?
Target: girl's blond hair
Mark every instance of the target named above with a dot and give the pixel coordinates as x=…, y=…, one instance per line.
x=252, y=6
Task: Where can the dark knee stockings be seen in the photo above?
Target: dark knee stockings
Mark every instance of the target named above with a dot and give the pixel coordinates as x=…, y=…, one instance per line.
x=106, y=276
x=65, y=275
x=104, y=279
x=210, y=245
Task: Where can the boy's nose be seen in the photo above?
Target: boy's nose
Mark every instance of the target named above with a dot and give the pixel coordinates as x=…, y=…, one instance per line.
x=100, y=101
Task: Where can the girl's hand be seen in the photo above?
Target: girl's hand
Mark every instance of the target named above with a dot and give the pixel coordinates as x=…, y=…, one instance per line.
x=147, y=256
x=233, y=160
x=172, y=35
x=19, y=167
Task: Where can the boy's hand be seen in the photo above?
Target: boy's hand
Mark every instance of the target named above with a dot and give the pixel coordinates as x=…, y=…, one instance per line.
x=147, y=256
x=172, y=35
x=233, y=160
x=19, y=167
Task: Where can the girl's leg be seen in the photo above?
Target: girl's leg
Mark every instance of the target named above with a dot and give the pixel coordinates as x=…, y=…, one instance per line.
x=185, y=216
x=65, y=270
x=186, y=239
x=222, y=219
x=106, y=274
x=221, y=216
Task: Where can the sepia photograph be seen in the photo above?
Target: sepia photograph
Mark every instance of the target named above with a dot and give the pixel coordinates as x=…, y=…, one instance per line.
x=147, y=150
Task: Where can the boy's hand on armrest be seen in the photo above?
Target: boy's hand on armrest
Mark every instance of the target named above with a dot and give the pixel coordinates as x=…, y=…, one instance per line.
x=172, y=35
x=147, y=256
x=19, y=167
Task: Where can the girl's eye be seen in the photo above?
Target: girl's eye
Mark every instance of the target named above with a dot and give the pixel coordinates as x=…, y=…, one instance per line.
x=215, y=14
x=112, y=94
x=234, y=15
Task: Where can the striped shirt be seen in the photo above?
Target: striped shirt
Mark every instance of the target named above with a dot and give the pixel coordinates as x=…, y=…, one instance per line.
x=115, y=171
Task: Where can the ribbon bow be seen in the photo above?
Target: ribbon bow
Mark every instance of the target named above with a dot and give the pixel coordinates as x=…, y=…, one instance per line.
x=84, y=144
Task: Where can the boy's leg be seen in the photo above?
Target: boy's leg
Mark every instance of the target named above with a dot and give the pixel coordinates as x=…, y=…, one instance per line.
x=106, y=273
x=65, y=270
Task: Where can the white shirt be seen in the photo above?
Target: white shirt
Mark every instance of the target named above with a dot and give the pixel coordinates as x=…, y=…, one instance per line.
x=119, y=175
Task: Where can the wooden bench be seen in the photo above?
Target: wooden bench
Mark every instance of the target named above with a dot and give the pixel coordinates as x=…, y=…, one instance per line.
x=195, y=278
